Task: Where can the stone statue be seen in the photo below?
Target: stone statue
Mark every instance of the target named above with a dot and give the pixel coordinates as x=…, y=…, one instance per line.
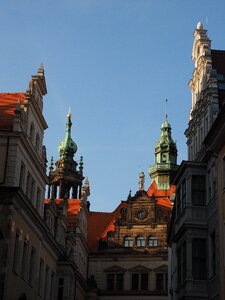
x=141, y=181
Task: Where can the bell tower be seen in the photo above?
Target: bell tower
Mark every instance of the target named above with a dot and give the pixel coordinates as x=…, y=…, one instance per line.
x=66, y=180
x=165, y=158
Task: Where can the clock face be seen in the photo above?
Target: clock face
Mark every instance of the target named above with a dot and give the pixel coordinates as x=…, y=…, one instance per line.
x=141, y=214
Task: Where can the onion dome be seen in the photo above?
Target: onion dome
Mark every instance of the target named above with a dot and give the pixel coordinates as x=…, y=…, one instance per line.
x=67, y=148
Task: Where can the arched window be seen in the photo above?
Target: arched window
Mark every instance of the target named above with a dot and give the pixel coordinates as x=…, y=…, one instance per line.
x=128, y=241
x=32, y=132
x=140, y=241
x=152, y=241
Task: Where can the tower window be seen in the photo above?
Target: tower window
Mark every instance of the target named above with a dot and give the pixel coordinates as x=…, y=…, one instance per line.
x=164, y=158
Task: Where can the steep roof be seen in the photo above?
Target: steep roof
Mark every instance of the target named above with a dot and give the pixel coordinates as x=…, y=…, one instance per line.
x=8, y=102
x=99, y=223
x=72, y=211
x=162, y=196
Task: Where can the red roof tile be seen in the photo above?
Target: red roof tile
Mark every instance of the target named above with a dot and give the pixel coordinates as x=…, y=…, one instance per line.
x=162, y=196
x=72, y=211
x=99, y=223
x=8, y=102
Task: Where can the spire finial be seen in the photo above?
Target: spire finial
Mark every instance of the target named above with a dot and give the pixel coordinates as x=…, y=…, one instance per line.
x=41, y=70
x=166, y=115
x=69, y=113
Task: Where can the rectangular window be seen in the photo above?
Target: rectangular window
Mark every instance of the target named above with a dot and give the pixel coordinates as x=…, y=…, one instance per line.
x=199, y=270
x=46, y=290
x=32, y=188
x=17, y=252
x=110, y=281
x=213, y=254
x=135, y=281
x=144, y=281
x=60, y=288
x=184, y=262
x=41, y=274
x=183, y=194
x=22, y=174
x=32, y=266
x=160, y=281
x=198, y=190
x=115, y=281
x=25, y=259
x=52, y=285
x=28, y=182
x=181, y=263
x=38, y=199
x=119, y=281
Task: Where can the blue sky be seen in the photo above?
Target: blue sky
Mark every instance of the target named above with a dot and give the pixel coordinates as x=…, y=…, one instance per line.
x=114, y=62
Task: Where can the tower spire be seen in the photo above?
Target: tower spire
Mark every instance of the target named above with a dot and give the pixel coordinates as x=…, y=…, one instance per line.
x=66, y=180
x=67, y=148
x=165, y=157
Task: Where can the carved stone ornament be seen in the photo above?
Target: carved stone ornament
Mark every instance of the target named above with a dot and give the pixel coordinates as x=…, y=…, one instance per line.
x=141, y=214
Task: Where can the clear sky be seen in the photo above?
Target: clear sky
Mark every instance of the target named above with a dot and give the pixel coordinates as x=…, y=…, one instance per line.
x=114, y=62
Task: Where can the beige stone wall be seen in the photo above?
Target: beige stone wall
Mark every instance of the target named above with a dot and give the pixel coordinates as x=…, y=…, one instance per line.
x=99, y=264
x=42, y=285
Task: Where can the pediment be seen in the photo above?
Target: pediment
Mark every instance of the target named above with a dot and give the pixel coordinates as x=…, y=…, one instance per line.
x=139, y=269
x=161, y=268
x=115, y=269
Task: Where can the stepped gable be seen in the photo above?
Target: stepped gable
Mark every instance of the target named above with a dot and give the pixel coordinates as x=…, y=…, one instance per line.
x=8, y=102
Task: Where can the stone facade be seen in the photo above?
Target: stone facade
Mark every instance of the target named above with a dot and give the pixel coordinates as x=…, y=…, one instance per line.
x=41, y=242
x=196, y=234
x=128, y=248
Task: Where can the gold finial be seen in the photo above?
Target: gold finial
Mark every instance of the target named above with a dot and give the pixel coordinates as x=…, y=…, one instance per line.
x=69, y=113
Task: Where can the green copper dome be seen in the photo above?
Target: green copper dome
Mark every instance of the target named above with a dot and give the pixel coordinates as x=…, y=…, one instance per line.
x=67, y=148
x=165, y=125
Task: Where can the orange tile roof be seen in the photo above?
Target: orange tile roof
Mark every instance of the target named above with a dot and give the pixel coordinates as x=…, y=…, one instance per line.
x=72, y=211
x=8, y=102
x=99, y=223
x=162, y=196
